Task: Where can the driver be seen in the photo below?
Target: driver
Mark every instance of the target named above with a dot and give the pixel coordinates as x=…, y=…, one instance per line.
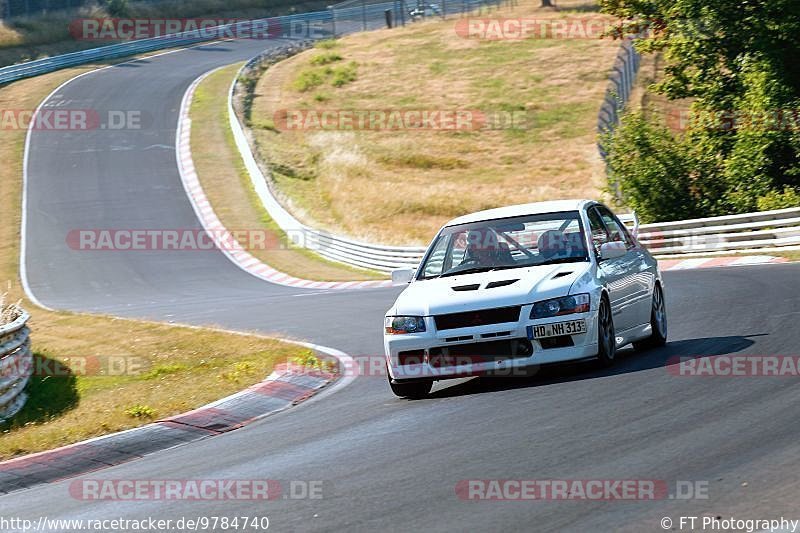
x=483, y=249
x=553, y=244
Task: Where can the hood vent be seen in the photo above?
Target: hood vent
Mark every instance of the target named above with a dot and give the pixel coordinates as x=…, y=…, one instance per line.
x=505, y=282
x=466, y=288
x=561, y=275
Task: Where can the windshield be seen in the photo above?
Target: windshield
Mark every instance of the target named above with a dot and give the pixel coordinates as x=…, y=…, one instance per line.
x=506, y=243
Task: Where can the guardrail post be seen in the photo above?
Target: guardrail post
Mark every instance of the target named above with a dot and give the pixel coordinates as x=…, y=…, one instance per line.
x=364, y=15
x=333, y=20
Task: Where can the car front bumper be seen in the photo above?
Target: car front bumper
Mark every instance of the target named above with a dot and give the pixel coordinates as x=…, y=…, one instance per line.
x=447, y=354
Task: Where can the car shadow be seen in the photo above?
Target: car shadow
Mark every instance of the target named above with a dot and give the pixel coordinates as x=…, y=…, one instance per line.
x=629, y=360
x=52, y=392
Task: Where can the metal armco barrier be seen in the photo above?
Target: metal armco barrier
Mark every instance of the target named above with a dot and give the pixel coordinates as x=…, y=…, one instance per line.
x=340, y=249
x=769, y=230
x=765, y=230
x=16, y=366
x=750, y=231
x=316, y=24
x=335, y=21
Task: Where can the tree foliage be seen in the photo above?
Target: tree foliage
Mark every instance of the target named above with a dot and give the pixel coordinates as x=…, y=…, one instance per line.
x=738, y=62
x=117, y=8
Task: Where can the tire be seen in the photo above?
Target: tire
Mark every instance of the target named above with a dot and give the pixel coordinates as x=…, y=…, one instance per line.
x=658, y=323
x=413, y=390
x=606, y=336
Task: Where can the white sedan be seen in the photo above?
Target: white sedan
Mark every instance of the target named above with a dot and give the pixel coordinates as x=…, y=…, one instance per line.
x=504, y=289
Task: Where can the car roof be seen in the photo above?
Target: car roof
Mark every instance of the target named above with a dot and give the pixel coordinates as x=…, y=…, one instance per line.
x=537, y=208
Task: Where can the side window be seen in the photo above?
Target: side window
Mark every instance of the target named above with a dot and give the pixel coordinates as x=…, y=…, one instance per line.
x=458, y=251
x=598, y=229
x=616, y=230
x=435, y=264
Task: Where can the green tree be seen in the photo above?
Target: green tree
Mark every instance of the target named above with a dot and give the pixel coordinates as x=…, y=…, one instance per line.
x=117, y=8
x=661, y=177
x=737, y=61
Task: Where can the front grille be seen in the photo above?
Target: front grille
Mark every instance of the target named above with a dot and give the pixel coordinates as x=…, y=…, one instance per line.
x=411, y=357
x=478, y=352
x=564, y=341
x=477, y=318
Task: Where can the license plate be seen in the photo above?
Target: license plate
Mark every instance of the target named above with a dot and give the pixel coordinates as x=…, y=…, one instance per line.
x=559, y=329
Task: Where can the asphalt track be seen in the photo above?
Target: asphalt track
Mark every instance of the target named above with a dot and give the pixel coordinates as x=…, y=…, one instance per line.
x=388, y=463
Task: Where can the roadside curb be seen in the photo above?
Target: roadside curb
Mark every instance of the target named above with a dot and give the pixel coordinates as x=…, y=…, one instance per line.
x=211, y=223
x=288, y=385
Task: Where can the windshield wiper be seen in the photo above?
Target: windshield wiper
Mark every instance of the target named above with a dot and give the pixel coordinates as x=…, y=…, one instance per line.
x=564, y=260
x=473, y=270
x=476, y=270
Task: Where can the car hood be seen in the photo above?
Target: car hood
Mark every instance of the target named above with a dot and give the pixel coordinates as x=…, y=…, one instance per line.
x=456, y=294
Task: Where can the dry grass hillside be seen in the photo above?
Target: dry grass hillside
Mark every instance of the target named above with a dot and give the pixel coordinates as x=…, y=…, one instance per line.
x=367, y=184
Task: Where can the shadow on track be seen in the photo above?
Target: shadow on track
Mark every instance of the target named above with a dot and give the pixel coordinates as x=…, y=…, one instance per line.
x=628, y=360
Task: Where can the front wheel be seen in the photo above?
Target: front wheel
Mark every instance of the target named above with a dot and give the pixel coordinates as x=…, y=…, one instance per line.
x=658, y=323
x=606, y=336
x=413, y=390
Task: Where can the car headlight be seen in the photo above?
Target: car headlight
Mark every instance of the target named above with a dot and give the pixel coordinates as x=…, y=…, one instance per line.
x=566, y=305
x=398, y=325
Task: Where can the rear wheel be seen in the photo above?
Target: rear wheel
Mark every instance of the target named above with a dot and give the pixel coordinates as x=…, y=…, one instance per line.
x=413, y=390
x=606, y=336
x=658, y=323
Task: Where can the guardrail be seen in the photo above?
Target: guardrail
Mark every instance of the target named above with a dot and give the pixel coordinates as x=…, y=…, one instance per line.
x=340, y=249
x=771, y=230
x=752, y=231
x=16, y=365
x=316, y=23
x=340, y=19
x=749, y=231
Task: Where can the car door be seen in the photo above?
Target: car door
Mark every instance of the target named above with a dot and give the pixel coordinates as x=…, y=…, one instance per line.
x=619, y=274
x=643, y=272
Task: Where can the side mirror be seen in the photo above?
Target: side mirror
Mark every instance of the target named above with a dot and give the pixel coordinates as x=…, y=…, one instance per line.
x=612, y=250
x=402, y=276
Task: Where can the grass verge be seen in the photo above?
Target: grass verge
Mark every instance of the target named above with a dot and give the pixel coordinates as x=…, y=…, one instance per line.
x=219, y=166
x=76, y=394
x=367, y=184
